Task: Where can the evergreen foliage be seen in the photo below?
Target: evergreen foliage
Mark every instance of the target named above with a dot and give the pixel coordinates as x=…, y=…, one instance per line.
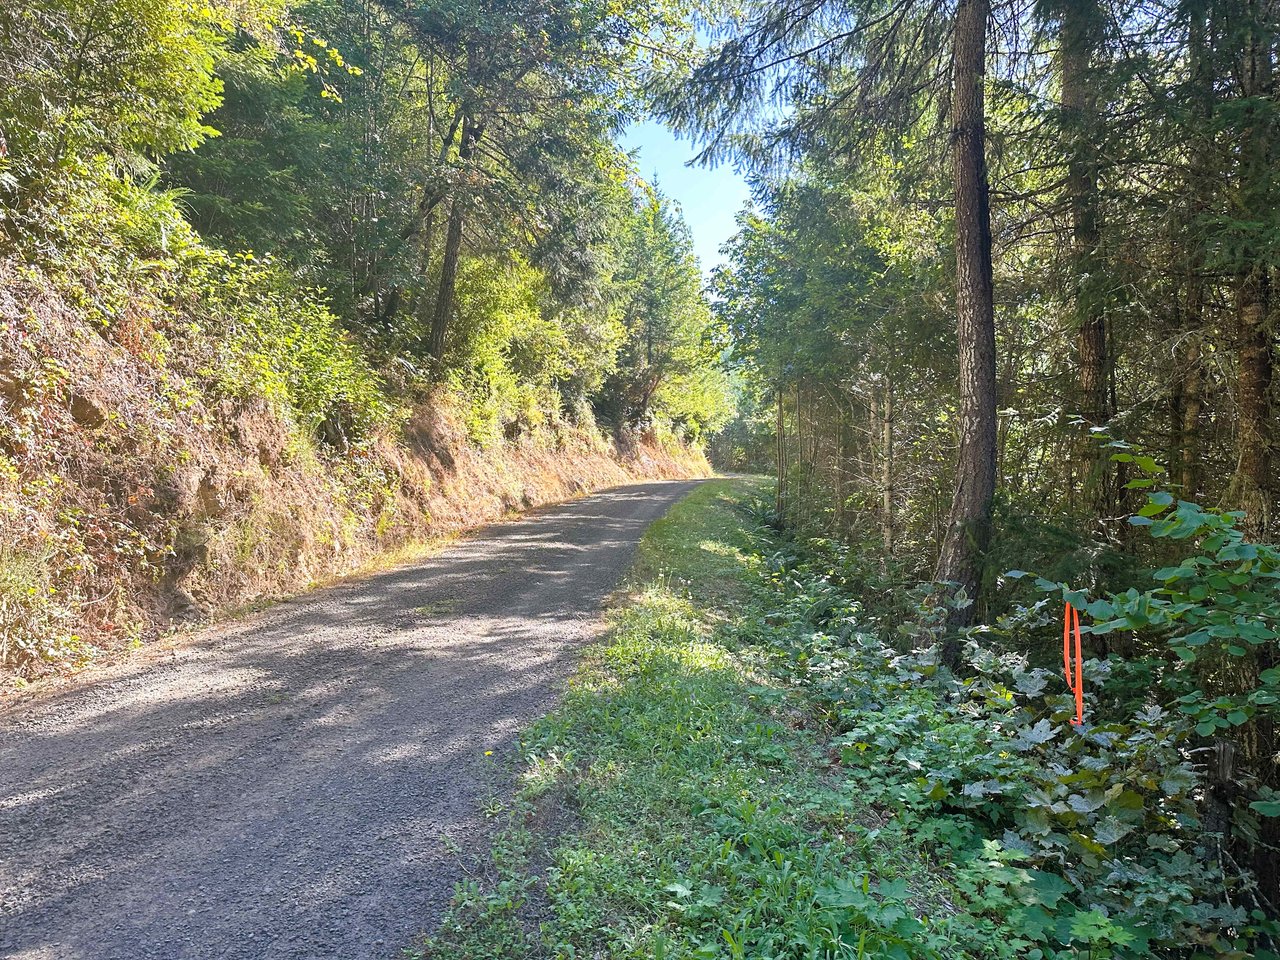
x=1133, y=328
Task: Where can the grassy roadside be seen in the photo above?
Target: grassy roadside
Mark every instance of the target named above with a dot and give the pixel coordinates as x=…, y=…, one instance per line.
x=696, y=816
x=726, y=779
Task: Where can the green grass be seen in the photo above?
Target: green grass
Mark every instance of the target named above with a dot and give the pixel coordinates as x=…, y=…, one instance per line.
x=703, y=825
x=727, y=779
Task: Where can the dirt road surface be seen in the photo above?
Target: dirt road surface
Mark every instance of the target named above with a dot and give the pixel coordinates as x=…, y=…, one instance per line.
x=310, y=783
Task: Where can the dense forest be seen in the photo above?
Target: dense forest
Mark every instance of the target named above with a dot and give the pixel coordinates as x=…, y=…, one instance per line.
x=1006, y=302
x=1000, y=322
x=289, y=287
x=464, y=215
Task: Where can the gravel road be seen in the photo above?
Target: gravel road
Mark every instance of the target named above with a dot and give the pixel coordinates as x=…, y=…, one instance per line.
x=309, y=783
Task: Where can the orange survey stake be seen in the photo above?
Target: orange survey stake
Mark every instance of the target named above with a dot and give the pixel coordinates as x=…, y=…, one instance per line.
x=1075, y=677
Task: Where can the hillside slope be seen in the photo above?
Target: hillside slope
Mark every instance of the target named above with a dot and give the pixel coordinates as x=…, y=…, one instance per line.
x=284, y=286
x=149, y=475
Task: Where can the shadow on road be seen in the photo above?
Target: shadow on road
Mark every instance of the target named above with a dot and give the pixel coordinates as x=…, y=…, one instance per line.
x=310, y=783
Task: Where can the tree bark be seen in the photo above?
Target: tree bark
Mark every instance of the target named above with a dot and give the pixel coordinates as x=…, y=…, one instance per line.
x=968, y=530
x=802, y=490
x=443, y=313
x=839, y=466
x=1254, y=486
x=1254, y=482
x=886, y=471
x=1187, y=387
x=780, y=428
x=1186, y=400
x=1079, y=41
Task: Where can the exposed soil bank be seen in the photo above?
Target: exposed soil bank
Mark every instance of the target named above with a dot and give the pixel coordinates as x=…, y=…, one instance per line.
x=137, y=490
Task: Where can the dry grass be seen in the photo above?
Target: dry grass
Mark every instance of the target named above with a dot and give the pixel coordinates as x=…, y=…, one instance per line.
x=134, y=494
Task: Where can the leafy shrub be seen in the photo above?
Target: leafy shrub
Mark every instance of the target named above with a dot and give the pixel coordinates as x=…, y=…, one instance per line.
x=82, y=83
x=34, y=624
x=1094, y=834
x=1217, y=610
x=283, y=344
x=240, y=322
x=508, y=357
x=1211, y=629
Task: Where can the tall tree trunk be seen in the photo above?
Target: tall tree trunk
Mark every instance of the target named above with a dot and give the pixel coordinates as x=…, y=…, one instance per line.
x=839, y=465
x=1254, y=483
x=421, y=230
x=1186, y=393
x=471, y=133
x=1079, y=43
x=886, y=471
x=443, y=311
x=802, y=489
x=874, y=428
x=780, y=428
x=969, y=524
x=1192, y=408
x=1187, y=387
x=1254, y=493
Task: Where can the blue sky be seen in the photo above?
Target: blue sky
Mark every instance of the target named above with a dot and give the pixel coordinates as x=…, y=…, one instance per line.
x=709, y=197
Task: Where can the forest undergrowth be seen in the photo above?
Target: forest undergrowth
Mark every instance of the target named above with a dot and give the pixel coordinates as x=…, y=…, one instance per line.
x=748, y=767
